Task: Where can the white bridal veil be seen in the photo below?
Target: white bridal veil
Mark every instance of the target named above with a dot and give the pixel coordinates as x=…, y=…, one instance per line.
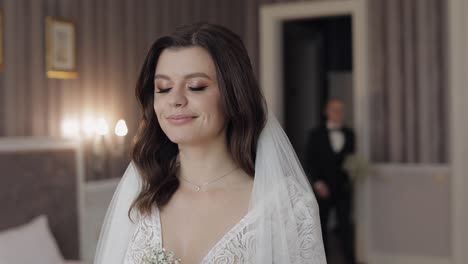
x=287, y=227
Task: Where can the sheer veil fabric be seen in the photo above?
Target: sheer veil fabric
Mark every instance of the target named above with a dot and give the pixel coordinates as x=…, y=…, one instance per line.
x=287, y=227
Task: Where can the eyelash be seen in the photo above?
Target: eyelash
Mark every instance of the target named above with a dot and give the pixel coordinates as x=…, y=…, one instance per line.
x=195, y=89
x=199, y=88
x=163, y=90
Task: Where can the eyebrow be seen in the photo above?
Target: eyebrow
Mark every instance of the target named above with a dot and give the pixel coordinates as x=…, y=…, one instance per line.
x=188, y=76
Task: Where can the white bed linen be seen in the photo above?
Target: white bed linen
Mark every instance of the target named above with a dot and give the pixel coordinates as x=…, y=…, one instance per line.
x=29, y=243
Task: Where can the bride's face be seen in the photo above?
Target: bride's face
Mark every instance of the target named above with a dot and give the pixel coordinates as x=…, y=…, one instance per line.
x=186, y=96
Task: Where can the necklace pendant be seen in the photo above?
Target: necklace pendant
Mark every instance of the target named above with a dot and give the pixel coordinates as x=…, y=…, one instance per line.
x=198, y=188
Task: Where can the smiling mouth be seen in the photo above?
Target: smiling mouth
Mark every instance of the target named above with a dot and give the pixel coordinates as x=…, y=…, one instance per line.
x=180, y=119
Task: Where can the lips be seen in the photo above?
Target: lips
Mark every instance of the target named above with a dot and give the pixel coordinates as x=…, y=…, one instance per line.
x=180, y=119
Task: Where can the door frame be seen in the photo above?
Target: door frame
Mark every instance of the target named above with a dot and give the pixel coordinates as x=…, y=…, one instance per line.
x=271, y=78
x=457, y=65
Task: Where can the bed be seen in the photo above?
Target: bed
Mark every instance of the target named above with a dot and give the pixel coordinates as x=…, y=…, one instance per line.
x=40, y=200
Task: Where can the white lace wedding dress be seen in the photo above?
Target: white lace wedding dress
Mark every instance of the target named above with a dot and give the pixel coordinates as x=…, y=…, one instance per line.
x=238, y=244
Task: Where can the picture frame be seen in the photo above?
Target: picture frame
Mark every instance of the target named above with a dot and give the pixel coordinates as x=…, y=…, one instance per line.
x=60, y=49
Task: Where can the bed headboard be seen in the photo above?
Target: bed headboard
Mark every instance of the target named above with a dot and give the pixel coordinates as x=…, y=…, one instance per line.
x=42, y=176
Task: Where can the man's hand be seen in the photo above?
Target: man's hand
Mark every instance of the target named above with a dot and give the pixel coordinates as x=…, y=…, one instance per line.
x=322, y=189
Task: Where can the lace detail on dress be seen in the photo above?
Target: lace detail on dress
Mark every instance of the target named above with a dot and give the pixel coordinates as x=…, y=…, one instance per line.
x=310, y=246
x=238, y=245
x=146, y=236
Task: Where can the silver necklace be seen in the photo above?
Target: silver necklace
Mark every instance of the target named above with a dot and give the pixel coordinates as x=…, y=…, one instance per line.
x=198, y=187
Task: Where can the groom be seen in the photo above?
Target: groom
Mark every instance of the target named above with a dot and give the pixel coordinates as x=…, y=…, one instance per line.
x=326, y=151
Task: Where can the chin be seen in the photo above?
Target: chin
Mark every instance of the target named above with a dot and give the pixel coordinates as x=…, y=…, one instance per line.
x=183, y=141
x=186, y=139
x=187, y=136
x=182, y=138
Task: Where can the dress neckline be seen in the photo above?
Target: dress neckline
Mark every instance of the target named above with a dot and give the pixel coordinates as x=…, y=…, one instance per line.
x=224, y=239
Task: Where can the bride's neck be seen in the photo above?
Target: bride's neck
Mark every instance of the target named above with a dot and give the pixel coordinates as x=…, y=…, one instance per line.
x=201, y=164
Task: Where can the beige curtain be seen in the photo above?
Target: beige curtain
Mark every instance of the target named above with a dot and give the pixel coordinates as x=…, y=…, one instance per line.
x=408, y=81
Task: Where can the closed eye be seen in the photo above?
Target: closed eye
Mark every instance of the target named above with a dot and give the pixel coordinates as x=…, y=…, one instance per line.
x=163, y=90
x=199, y=88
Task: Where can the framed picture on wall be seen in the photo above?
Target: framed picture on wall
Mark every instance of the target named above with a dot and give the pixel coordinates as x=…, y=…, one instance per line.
x=60, y=49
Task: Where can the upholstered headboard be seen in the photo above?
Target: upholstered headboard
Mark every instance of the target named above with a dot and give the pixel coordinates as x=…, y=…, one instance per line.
x=42, y=176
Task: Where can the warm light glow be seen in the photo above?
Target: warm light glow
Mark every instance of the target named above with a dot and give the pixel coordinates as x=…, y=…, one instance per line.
x=89, y=126
x=121, y=129
x=71, y=128
x=101, y=127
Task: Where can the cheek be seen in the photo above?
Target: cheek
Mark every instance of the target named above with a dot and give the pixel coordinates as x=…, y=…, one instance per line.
x=214, y=107
x=158, y=111
x=157, y=107
x=215, y=103
x=219, y=116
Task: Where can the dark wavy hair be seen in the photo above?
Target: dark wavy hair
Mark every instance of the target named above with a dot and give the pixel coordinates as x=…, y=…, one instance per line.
x=154, y=155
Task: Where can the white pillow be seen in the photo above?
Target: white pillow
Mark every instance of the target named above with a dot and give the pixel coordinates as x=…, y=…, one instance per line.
x=31, y=243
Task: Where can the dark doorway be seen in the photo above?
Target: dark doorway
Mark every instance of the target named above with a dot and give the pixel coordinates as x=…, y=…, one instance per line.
x=317, y=66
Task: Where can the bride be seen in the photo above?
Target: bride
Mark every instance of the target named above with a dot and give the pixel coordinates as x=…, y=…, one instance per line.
x=214, y=178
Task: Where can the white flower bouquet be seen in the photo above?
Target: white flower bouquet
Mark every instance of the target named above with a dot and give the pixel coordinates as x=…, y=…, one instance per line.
x=160, y=256
x=356, y=166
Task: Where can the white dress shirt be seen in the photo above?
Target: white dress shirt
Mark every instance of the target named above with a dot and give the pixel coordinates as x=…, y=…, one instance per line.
x=336, y=136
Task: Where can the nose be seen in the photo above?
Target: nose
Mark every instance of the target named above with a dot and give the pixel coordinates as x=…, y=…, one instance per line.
x=178, y=98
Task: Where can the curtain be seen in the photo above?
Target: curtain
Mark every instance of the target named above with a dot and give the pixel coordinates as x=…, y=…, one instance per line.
x=408, y=81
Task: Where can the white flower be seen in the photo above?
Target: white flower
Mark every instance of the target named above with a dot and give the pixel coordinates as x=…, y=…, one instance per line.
x=356, y=166
x=160, y=256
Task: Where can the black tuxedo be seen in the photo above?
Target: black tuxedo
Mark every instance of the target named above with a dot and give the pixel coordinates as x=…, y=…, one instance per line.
x=322, y=163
